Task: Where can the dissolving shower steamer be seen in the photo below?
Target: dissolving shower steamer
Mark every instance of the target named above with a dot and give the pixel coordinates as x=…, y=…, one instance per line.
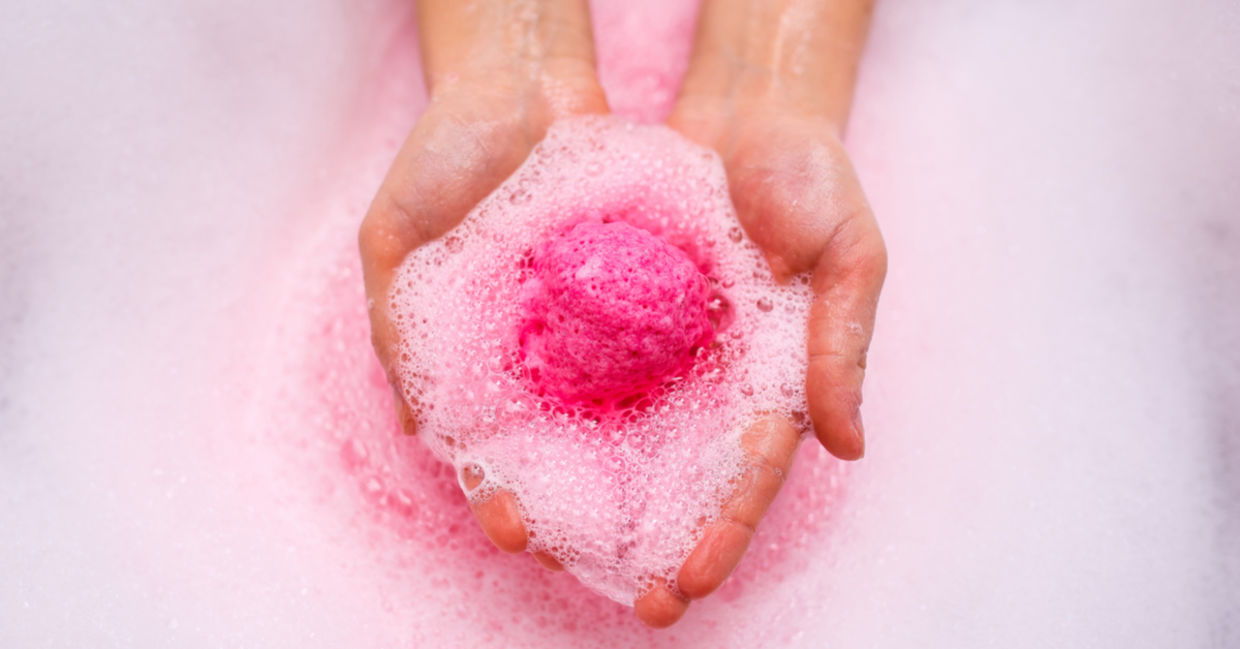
x=595, y=337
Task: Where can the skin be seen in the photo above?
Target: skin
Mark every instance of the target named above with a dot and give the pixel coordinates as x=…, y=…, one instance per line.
x=768, y=87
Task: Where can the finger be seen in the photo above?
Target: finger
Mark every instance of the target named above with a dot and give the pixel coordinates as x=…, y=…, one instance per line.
x=846, y=284
x=661, y=606
x=501, y=521
x=714, y=558
x=771, y=445
x=547, y=561
x=499, y=515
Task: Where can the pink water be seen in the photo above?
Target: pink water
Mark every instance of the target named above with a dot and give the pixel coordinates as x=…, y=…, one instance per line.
x=197, y=449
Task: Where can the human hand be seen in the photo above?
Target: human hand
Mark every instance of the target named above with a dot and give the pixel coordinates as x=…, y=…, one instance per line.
x=777, y=129
x=493, y=93
x=799, y=200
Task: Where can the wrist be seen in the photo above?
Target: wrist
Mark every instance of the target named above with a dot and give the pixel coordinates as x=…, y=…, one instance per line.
x=539, y=52
x=716, y=119
x=741, y=90
x=788, y=57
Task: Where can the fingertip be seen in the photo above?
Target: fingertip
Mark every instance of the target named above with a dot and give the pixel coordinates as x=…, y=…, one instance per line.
x=858, y=435
x=845, y=441
x=714, y=558
x=835, y=409
x=547, y=561
x=660, y=607
x=847, y=447
x=500, y=519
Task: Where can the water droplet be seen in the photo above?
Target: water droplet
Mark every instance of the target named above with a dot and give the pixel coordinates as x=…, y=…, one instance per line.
x=765, y=305
x=736, y=235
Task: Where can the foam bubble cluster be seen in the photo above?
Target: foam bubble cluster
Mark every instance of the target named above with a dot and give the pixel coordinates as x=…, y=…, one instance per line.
x=595, y=337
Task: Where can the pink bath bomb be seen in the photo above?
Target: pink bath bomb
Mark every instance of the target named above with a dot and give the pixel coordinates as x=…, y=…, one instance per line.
x=611, y=310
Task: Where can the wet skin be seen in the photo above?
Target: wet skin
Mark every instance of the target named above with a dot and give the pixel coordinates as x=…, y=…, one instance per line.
x=769, y=94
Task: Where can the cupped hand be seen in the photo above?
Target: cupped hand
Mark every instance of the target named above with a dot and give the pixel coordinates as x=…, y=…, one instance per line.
x=478, y=129
x=798, y=198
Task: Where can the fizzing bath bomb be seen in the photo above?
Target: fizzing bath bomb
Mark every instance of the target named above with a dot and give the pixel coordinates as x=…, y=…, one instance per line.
x=612, y=311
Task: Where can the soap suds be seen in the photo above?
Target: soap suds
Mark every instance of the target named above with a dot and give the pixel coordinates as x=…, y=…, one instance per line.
x=595, y=337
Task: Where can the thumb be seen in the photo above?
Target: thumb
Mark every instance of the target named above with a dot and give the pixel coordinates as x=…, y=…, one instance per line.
x=846, y=284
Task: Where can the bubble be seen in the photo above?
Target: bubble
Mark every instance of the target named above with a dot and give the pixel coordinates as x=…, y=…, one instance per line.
x=472, y=475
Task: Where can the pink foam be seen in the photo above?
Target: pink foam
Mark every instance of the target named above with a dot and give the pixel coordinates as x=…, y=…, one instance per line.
x=610, y=262
x=611, y=311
